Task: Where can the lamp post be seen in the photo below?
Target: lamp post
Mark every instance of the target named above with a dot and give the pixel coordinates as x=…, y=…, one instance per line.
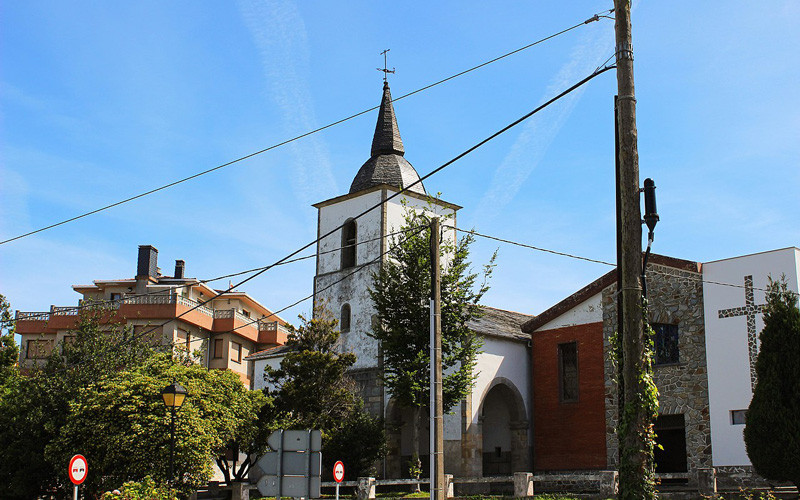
x=174, y=395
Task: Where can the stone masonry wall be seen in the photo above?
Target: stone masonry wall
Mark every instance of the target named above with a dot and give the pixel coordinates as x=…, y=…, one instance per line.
x=370, y=388
x=675, y=297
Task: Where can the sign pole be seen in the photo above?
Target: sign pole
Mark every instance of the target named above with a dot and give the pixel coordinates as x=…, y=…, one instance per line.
x=338, y=475
x=75, y=496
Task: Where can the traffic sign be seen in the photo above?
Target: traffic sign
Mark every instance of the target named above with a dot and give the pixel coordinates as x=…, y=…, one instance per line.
x=294, y=463
x=295, y=440
x=338, y=471
x=78, y=468
x=289, y=486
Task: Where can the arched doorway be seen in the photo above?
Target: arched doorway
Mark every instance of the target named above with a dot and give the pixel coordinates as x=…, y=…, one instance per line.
x=504, y=430
x=399, y=431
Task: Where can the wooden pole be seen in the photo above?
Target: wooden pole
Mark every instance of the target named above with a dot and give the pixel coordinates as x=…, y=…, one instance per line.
x=635, y=463
x=437, y=475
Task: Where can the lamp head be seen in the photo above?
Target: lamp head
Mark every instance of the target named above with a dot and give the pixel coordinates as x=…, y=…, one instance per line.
x=650, y=213
x=174, y=395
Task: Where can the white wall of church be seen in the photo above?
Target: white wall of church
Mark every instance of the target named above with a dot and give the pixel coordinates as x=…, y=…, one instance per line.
x=727, y=353
x=354, y=289
x=501, y=359
x=588, y=311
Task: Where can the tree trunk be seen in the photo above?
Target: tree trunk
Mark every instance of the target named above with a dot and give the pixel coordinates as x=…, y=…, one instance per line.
x=416, y=414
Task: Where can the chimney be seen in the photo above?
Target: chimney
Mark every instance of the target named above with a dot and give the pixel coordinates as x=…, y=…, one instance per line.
x=147, y=265
x=179, y=268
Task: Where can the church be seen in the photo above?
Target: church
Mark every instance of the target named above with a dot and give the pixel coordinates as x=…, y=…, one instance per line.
x=488, y=432
x=545, y=398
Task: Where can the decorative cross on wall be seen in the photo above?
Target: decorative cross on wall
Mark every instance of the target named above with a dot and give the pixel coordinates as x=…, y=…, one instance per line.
x=750, y=310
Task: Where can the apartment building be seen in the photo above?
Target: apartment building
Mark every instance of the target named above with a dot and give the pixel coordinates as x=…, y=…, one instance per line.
x=221, y=333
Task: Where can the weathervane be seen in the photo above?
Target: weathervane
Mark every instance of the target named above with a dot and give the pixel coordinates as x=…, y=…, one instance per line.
x=385, y=69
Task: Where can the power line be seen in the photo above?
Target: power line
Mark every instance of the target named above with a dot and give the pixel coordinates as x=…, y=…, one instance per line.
x=172, y=289
x=578, y=257
x=508, y=127
x=438, y=169
x=502, y=240
x=595, y=17
x=359, y=268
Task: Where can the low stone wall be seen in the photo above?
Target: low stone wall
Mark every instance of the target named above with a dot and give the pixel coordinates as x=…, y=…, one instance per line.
x=736, y=477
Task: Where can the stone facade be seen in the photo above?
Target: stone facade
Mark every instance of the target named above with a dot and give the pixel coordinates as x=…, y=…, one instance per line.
x=675, y=297
x=370, y=387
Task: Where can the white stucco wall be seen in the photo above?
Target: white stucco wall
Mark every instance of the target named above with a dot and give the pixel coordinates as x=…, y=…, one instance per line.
x=354, y=290
x=588, y=311
x=258, y=371
x=501, y=358
x=729, y=384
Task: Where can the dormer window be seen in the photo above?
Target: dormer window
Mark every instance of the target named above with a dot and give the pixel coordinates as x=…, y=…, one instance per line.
x=349, y=244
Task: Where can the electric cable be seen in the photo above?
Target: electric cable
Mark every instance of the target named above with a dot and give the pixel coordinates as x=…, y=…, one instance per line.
x=65, y=310
x=464, y=153
x=594, y=18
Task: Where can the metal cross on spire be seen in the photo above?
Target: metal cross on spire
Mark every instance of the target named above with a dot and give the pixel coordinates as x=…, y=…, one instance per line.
x=385, y=68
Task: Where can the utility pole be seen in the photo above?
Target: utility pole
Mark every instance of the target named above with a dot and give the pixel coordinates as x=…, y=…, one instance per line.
x=635, y=465
x=437, y=408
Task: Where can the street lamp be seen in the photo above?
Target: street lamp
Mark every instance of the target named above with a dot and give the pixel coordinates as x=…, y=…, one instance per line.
x=651, y=219
x=173, y=395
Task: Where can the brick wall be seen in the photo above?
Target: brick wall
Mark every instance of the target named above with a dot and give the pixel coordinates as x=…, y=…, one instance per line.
x=569, y=435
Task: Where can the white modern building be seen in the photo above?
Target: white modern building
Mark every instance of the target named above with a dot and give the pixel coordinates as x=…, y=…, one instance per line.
x=734, y=319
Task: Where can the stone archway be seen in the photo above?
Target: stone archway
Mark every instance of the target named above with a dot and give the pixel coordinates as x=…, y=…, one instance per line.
x=503, y=427
x=399, y=443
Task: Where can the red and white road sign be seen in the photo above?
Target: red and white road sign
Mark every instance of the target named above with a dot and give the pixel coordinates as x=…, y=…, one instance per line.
x=78, y=467
x=338, y=471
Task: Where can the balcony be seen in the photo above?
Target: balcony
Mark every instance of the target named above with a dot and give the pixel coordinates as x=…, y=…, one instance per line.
x=272, y=332
x=156, y=306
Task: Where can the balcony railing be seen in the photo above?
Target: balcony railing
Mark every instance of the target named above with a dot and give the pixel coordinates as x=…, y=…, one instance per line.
x=155, y=299
x=233, y=313
x=32, y=316
x=223, y=314
x=271, y=326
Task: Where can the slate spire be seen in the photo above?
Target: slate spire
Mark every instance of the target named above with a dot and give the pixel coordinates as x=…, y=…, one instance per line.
x=386, y=164
x=387, y=136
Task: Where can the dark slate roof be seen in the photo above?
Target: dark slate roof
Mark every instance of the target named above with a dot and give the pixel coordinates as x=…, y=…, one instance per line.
x=386, y=164
x=272, y=352
x=501, y=323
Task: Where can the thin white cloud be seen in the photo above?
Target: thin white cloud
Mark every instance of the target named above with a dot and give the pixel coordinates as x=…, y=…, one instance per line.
x=538, y=133
x=279, y=34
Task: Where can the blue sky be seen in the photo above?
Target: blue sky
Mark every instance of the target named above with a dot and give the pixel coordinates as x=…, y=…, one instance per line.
x=100, y=101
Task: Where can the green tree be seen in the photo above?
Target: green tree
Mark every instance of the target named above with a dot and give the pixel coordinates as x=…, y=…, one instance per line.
x=9, y=350
x=772, y=431
x=34, y=407
x=121, y=424
x=400, y=291
x=311, y=390
x=311, y=387
x=100, y=395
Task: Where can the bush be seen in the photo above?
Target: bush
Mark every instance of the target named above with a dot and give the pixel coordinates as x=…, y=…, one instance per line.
x=146, y=489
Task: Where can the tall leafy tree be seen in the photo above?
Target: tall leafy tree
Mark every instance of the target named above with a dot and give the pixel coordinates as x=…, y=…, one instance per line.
x=34, y=407
x=311, y=390
x=400, y=291
x=772, y=431
x=311, y=387
x=9, y=350
x=122, y=427
x=99, y=395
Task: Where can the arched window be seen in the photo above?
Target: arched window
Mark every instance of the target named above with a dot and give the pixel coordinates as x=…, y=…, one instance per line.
x=344, y=322
x=349, y=244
